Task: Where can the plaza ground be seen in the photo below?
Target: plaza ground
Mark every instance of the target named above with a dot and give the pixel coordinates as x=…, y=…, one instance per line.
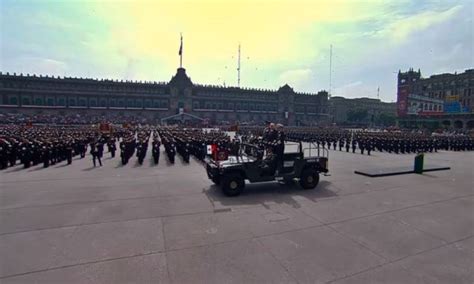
x=169, y=224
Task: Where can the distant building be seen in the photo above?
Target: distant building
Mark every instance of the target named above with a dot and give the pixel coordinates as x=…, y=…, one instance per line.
x=360, y=111
x=444, y=100
x=177, y=100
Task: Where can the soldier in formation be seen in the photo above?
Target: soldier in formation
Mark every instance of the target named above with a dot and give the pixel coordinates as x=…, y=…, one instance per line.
x=400, y=142
x=46, y=145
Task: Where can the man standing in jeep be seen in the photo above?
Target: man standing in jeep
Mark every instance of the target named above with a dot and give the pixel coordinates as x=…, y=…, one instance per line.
x=280, y=147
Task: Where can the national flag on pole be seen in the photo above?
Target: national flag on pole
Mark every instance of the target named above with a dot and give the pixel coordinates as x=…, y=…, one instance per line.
x=181, y=46
x=211, y=149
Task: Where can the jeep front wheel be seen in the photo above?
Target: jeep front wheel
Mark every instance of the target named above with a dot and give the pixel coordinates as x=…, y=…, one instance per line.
x=232, y=185
x=309, y=179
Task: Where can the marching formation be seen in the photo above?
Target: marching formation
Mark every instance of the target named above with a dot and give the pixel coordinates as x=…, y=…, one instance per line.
x=397, y=142
x=48, y=145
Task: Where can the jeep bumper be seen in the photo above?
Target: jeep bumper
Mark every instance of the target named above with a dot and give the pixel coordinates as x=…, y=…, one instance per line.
x=212, y=171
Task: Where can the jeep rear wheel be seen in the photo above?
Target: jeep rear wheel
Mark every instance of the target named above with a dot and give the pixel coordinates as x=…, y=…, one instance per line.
x=309, y=179
x=232, y=185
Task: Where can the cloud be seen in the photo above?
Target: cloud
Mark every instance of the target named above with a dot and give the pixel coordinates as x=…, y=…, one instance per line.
x=38, y=65
x=296, y=78
x=283, y=41
x=400, y=28
x=51, y=66
x=353, y=90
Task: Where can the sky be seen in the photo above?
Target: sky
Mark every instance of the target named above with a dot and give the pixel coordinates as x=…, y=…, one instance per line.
x=282, y=41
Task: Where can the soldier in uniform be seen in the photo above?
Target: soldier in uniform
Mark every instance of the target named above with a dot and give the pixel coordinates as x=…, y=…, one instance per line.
x=45, y=155
x=111, y=146
x=269, y=164
x=362, y=146
x=280, y=146
x=95, y=153
x=156, y=150
x=25, y=154
x=235, y=148
x=142, y=148
x=369, y=146
x=68, y=152
x=3, y=155
x=100, y=148
x=12, y=149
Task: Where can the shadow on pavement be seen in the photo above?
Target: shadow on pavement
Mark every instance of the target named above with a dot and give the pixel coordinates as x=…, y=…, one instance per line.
x=40, y=168
x=137, y=164
x=16, y=168
x=152, y=162
x=62, y=166
x=90, y=168
x=182, y=162
x=274, y=192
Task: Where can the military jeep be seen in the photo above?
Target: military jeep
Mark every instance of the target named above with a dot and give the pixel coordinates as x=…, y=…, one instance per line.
x=302, y=164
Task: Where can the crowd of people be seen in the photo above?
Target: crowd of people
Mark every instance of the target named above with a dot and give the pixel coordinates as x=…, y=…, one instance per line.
x=73, y=119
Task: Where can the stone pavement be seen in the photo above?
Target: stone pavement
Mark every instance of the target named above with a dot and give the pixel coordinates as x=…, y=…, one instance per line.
x=169, y=224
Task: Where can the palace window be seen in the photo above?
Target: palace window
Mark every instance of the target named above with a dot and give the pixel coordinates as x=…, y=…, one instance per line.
x=92, y=102
x=61, y=102
x=148, y=104
x=13, y=101
x=103, y=103
x=26, y=101
x=38, y=101
x=50, y=101
x=82, y=102
x=72, y=102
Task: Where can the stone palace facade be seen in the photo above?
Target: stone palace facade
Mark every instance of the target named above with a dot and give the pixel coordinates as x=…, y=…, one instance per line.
x=178, y=99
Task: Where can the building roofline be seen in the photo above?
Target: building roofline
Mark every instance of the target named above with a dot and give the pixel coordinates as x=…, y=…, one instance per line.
x=79, y=79
x=263, y=91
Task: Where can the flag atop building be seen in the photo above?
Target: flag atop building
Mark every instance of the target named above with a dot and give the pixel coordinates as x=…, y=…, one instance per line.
x=181, y=53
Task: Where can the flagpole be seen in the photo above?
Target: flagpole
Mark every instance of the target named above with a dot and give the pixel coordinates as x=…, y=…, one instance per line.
x=181, y=53
x=238, y=69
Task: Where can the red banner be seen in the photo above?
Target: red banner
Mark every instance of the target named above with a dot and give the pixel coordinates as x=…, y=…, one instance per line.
x=104, y=127
x=402, y=101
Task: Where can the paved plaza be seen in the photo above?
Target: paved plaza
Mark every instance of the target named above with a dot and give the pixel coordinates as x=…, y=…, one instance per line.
x=169, y=224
